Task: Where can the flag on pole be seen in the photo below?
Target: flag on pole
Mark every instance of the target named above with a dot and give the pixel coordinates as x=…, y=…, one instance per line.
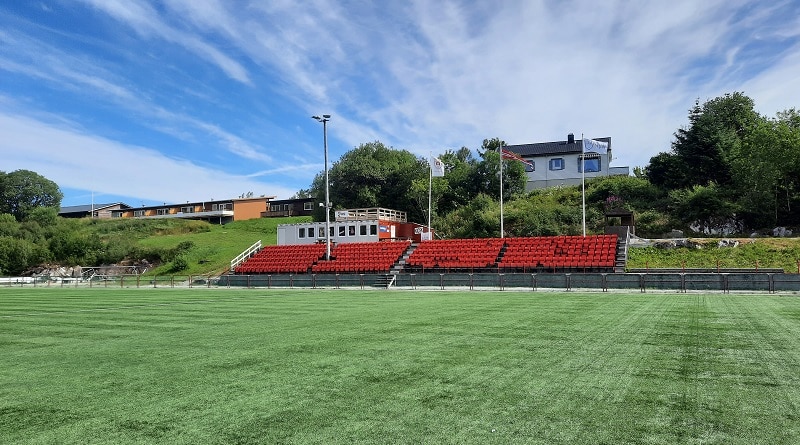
x=513, y=156
x=596, y=146
x=437, y=167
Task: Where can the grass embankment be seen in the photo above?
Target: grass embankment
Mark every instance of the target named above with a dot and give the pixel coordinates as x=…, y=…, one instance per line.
x=247, y=367
x=212, y=247
x=783, y=253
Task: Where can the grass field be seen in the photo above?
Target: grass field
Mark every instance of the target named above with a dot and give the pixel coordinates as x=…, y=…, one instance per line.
x=301, y=366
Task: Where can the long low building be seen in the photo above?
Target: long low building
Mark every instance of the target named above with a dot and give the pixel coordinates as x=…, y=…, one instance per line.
x=215, y=211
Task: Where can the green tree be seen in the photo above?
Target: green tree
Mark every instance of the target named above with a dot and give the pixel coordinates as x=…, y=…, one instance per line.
x=767, y=171
x=16, y=255
x=486, y=177
x=704, y=151
x=702, y=204
x=21, y=191
x=373, y=175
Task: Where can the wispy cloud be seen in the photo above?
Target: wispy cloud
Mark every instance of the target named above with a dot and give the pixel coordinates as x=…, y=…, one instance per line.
x=82, y=75
x=87, y=162
x=142, y=17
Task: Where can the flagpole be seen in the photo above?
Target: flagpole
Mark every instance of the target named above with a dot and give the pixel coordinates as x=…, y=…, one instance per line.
x=430, y=187
x=583, y=184
x=500, y=150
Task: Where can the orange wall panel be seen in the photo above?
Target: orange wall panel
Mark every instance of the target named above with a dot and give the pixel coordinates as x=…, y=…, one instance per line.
x=249, y=209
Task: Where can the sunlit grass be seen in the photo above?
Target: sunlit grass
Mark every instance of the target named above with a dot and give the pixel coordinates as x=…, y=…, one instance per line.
x=311, y=366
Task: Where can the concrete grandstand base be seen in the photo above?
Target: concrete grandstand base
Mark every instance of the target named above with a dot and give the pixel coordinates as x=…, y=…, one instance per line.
x=680, y=282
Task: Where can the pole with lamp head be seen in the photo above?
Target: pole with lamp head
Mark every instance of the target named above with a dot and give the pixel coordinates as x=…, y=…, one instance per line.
x=324, y=119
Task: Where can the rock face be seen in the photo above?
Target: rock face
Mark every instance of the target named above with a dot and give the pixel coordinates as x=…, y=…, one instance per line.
x=717, y=226
x=55, y=271
x=672, y=244
x=58, y=272
x=674, y=233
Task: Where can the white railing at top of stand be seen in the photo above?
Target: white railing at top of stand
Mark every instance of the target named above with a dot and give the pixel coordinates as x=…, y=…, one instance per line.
x=246, y=254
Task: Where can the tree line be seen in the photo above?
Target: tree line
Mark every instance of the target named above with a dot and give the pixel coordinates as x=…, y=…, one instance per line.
x=729, y=167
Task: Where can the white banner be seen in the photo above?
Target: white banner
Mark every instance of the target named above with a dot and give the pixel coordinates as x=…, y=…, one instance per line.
x=437, y=167
x=596, y=146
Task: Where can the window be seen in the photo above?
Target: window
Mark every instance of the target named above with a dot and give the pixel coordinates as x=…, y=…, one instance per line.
x=302, y=232
x=274, y=208
x=138, y=213
x=311, y=232
x=216, y=207
x=341, y=230
x=308, y=206
x=592, y=165
x=530, y=166
x=557, y=164
x=116, y=214
x=373, y=229
x=330, y=231
x=351, y=230
x=162, y=212
x=187, y=209
x=286, y=207
x=362, y=230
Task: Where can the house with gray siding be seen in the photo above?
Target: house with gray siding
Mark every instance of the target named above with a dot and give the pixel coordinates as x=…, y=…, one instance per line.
x=560, y=163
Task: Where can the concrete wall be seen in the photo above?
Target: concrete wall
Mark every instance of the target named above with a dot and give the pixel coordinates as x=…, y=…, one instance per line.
x=706, y=282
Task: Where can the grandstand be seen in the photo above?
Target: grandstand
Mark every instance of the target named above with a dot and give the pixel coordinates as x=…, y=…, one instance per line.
x=594, y=253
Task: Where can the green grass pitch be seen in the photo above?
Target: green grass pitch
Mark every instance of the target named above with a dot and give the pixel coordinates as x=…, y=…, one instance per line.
x=232, y=366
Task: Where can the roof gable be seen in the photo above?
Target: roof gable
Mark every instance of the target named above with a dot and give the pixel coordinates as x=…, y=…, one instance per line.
x=552, y=148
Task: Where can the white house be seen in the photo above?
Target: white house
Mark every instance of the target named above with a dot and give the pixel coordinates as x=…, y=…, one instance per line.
x=559, y=163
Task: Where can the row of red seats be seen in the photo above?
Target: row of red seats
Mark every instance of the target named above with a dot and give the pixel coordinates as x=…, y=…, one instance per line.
x=456, y=254
x=363, y=257
x=283, y=259
x=560, y=253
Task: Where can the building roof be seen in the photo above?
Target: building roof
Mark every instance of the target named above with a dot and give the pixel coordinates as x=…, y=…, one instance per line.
x=291, y=200
x=552, y=148
x=87, y=208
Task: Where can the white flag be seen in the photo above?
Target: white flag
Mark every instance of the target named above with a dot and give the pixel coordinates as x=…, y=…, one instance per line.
x=437, y=167
x=596, y=146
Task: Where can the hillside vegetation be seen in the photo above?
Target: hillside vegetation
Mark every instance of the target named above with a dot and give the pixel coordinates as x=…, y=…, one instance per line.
x=181, y=247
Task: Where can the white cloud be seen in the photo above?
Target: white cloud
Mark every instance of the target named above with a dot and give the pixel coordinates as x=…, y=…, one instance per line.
x=81, y=161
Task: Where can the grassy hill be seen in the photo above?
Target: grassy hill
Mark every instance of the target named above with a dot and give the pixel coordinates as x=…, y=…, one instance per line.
x=212, y=251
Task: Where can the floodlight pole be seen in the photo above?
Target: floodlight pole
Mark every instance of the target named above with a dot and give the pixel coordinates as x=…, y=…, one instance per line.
x=324, y=119
x=502, y=230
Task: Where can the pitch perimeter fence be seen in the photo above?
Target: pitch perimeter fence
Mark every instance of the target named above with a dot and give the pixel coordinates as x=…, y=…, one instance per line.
x=680, y=282
x=642, y=282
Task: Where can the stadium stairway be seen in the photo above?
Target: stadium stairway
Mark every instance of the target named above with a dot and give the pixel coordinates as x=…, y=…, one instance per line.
x=400, y=265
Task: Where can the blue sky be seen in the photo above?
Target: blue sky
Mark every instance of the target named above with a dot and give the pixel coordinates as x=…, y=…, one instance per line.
x=188, y=100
